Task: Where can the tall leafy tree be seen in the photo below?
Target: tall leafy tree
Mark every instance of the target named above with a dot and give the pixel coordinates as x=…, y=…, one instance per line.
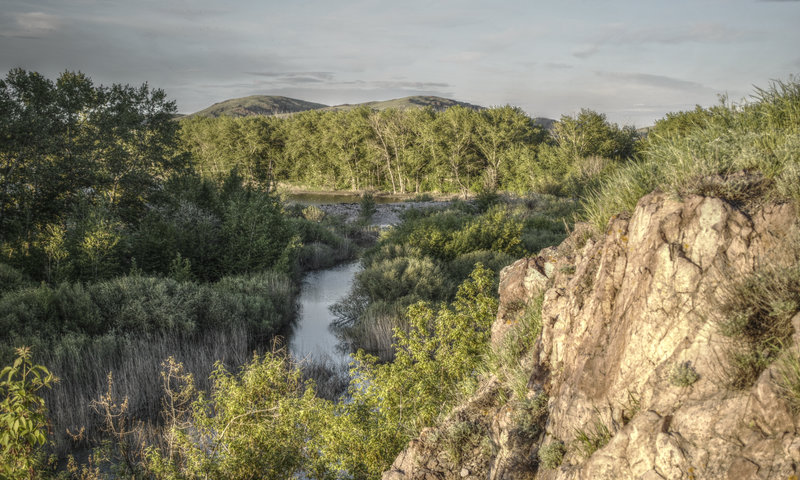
x=498, y=130
x=457, y=129
x=63, y=139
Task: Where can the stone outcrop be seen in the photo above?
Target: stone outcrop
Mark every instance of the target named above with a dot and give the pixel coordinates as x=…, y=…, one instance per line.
x=620, y=313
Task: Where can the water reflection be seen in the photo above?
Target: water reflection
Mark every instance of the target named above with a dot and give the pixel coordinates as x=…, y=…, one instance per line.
x=312, y=337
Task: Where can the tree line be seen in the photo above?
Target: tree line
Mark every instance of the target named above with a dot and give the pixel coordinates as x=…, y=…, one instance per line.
x=458, y=150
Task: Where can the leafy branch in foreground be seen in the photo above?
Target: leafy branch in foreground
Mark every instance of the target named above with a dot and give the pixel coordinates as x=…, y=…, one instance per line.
x=22, y=416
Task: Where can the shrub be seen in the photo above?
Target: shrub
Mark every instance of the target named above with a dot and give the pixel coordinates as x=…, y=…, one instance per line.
x=461, y=439
x=129, y=324
x=313, y=213
x=433, y=250
x=264, y=302
x=756, y=313
x=403, y=277
x=530, y=415
x=12, y=279
x=683, y=374
x=499, y=230
x=180, y=228
x=552, y=454
x=420, y=197
x=366, y=206
x=254, y=424
x=461, y=266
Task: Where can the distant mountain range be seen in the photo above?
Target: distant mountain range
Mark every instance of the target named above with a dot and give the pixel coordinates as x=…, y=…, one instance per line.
x=277, y=105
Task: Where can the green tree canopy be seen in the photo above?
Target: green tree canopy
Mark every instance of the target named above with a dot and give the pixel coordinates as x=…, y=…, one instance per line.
x=66, y=138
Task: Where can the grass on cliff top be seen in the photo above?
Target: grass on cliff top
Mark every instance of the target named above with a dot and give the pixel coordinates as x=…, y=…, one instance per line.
x=757, y=313
x=738, y=152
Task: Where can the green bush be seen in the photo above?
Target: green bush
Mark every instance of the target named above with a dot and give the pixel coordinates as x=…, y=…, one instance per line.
x=313, y=213
x=255, y=424
x=262, y=301
x=367, y=206
x=462, y=265
x=12, y=279
x=683, y=374
x=137, y=304
x=552, y=454
x=402, y=278
x=499, y=230
x=184, y=229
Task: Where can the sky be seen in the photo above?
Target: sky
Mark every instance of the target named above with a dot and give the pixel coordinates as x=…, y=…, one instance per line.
x=633, y=60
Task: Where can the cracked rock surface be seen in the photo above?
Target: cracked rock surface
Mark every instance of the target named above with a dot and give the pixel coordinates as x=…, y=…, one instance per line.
x=620, y=311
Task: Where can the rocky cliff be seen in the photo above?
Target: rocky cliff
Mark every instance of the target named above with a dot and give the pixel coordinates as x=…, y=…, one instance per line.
x=638, y=370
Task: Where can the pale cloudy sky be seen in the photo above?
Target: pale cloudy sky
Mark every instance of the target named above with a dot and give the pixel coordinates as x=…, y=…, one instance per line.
x=633, y=60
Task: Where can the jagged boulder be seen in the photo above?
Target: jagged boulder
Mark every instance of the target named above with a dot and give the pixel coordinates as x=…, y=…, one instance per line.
x=631, y=356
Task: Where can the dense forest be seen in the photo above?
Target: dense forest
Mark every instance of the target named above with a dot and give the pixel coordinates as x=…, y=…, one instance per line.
x=132, y=243
x=458, y=150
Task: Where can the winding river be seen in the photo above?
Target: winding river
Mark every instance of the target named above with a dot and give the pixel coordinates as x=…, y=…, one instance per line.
x=312, y=338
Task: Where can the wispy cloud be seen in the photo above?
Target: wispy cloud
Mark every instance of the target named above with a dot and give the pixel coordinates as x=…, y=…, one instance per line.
x=329, y=80
x=585, y=51
x=407, y=85
x=656, y=81
x=296, y=77
x=615, y=35
x=30, y=25
x=194, y=13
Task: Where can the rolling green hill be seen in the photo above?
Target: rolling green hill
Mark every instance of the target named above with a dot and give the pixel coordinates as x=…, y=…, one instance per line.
x=437, y=103
x=283, y=106
x=276, y=105
x=258, y=105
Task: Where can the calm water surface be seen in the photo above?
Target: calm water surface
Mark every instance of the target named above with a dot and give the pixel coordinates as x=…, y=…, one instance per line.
x=312, y=337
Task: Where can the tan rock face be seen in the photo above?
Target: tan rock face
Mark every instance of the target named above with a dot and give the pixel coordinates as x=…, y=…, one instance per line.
x=619, y=314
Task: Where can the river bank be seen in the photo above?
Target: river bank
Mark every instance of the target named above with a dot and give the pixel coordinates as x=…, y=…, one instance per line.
x=386, y=214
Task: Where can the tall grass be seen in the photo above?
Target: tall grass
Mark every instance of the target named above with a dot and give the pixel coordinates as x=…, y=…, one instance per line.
x=129, y=325
x=736, y=152
x=83, y=366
